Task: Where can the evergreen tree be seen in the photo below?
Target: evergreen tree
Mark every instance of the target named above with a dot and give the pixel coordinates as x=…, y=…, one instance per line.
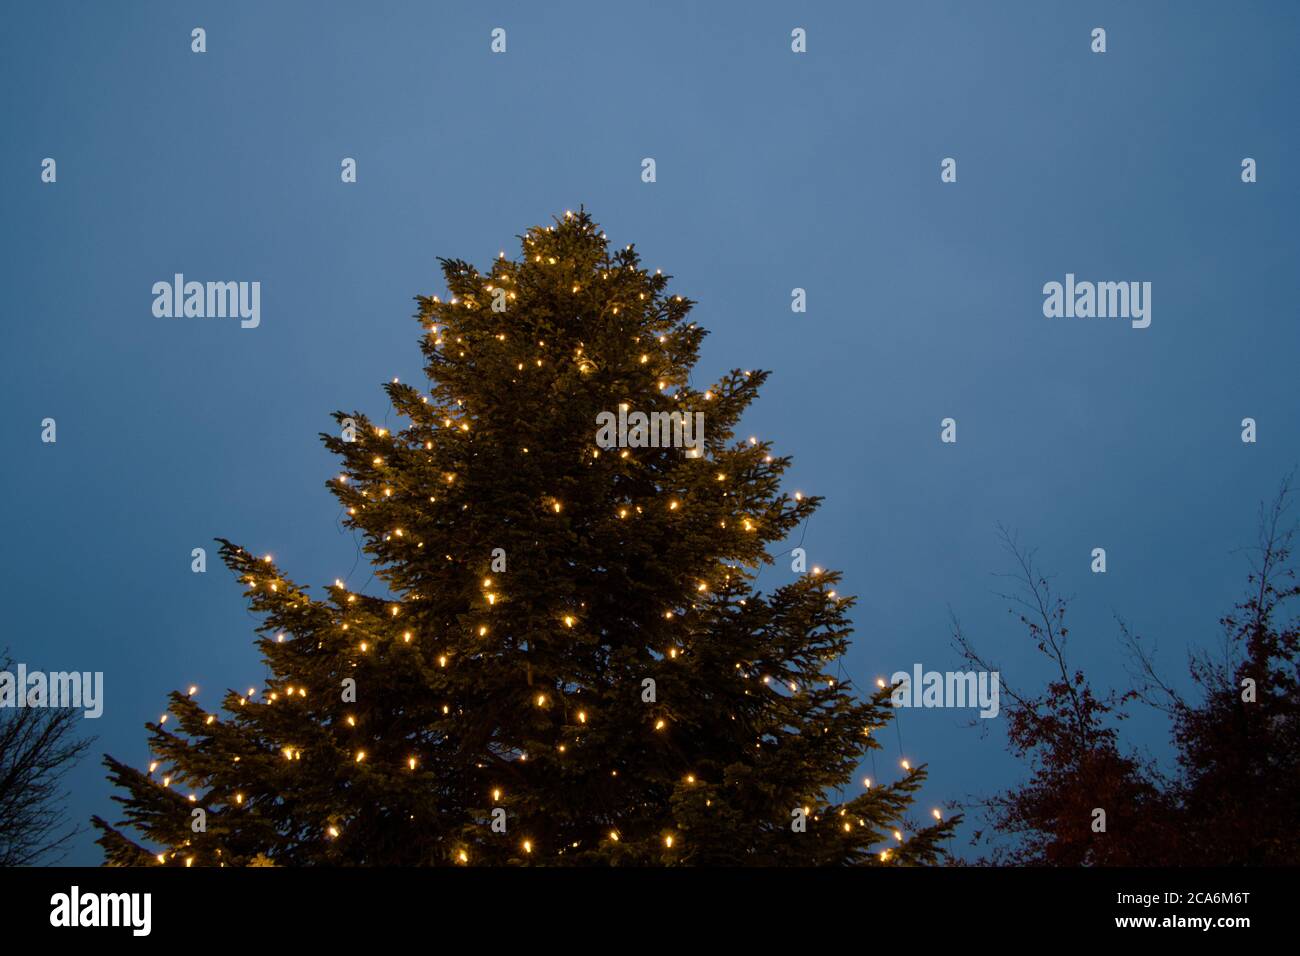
x=570, y=663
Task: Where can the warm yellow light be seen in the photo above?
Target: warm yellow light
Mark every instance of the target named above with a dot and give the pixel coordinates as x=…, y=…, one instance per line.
x=936, y=814
x=582, y=716
x=906, y=765
x=613, y=835
x=668, y=841
x=361, y=755
x=528, y=846
x=496, y=794
x=541, y=700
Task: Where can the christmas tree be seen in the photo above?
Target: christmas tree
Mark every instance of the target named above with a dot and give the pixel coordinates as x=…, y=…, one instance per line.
x=570, y=663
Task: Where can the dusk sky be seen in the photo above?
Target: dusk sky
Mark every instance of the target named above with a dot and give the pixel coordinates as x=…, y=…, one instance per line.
x=775, y=170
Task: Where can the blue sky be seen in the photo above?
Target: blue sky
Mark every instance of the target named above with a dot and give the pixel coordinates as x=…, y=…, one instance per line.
x=775, y=171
